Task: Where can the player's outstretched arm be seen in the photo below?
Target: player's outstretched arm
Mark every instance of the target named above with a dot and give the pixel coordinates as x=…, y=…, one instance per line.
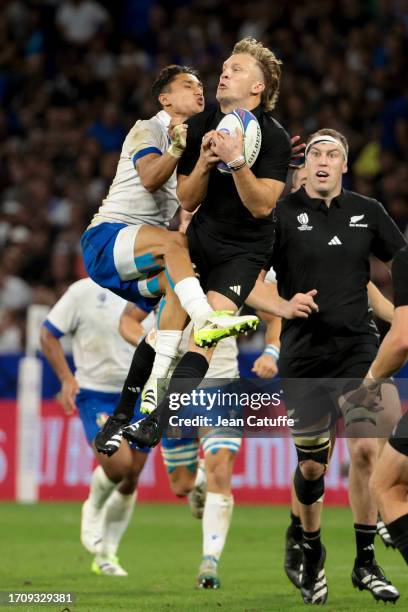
x=393, y=351
x=265, y=296
x=383, y=308
x=52, y=350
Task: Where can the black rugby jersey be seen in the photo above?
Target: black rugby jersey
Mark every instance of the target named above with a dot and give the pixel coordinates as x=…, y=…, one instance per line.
x=400, y=277
x=222, y=211
x=328, y=249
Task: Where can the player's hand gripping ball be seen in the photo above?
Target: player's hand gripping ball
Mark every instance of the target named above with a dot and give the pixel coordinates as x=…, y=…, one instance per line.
x=248, y=124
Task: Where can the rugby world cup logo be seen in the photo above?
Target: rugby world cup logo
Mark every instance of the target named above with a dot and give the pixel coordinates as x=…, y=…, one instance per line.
x=304, y=220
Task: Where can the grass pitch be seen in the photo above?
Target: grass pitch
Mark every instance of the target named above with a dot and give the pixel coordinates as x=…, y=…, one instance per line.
x=161, y=551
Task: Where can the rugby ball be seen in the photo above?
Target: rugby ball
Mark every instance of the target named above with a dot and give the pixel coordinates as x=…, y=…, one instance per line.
x=245, y=121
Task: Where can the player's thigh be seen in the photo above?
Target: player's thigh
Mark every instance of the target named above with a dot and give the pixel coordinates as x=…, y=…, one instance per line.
x=110, y=261
x=220, y=302
x=138, y=460
x=220, y=448
x=391, y=470
x=390, y=414
x=222, y=456
x=309, y=404
x=218, y=468
x=155, y=242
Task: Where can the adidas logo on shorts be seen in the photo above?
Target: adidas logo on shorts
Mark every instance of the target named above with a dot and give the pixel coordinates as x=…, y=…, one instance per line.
x=236, y=289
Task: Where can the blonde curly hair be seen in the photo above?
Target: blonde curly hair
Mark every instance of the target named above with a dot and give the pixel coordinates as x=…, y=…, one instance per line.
x=270, y=66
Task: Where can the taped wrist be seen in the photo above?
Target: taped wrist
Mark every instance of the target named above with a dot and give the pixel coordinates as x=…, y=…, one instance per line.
x=178, y=142
x=272, y=350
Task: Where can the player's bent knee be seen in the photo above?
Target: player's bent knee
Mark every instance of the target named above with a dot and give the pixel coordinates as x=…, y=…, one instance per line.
x=219, y=474
x=180, y=488
x=363, y=452
x=116, y=472
x=308, y=491
x=175, y=242
x=181, y=479
x=312, y=469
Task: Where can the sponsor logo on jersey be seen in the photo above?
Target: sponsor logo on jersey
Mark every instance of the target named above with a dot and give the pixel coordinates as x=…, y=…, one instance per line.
x=304, y=220
x=354, y=221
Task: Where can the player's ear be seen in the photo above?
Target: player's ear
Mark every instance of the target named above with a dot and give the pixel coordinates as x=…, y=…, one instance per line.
x=258, y=87
x=345, y=167
x=164, y=99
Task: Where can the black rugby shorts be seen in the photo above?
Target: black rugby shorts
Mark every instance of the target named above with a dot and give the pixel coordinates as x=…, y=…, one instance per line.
x=226, y=265
x=313, y=385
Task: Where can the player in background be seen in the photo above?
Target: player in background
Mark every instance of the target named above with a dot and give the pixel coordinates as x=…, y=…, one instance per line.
x=231, y=232
x=383, y=309
x=389, y=482
x=127, y=240
x=91, y=315
x=324, y=235
x=207, y=483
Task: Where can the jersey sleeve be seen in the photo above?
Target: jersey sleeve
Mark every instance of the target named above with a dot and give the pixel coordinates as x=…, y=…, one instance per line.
x=400, y=278
x=192, y=151
x=63, y=317
x=145, y=138
x=275, y=156
x=388, y=239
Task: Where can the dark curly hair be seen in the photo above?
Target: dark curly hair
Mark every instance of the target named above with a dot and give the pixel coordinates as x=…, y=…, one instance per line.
x=166, y=76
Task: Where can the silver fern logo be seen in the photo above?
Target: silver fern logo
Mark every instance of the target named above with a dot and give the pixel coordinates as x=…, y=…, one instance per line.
x=355, y=221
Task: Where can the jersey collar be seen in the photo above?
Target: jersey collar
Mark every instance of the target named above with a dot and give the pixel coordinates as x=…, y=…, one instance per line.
x=257, y=111
x=164, y=118
x=316, y=203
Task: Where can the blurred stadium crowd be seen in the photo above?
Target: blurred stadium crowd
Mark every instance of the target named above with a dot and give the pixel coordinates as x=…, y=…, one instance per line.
x=76, y=74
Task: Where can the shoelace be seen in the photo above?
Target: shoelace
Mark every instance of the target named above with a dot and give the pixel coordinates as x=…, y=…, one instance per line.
x=377, y=576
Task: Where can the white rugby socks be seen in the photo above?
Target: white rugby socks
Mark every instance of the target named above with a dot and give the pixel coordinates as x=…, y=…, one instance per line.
x=216, y=521
x=100, y=488
x=200, y=475
x=193, y=300
x=118, y=512
x=167, y=343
